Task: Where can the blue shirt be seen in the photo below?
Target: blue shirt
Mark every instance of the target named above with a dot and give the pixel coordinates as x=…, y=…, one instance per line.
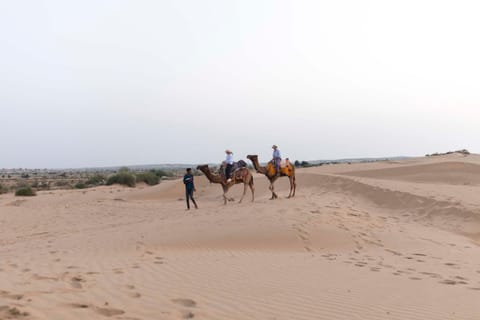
x=188, y=181
x=276, y=154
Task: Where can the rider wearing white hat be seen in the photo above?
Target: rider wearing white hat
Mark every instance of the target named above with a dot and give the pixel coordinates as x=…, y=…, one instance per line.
x=229, y=162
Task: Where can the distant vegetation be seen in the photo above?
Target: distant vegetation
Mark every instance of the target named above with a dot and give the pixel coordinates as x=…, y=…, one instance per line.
x=25, y=191
x=129, y=178
x=47, y=179
x=463, y=151
x=3, y=189
x=161, y=173
x=302, y=164
x=149, y=178
x=96, y=180
x=124, y=177
x=80, y=185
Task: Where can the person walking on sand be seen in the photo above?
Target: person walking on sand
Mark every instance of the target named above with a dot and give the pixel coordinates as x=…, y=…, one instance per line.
x=276, y=159
x=229, y=165
x=189, y=188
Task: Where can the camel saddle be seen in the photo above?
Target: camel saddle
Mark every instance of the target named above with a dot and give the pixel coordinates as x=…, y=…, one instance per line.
x=239, y=164
x=240, y=173
x=237, y=170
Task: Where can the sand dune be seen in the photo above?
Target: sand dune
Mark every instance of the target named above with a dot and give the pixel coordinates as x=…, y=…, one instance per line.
x=446, y=172
x=386, y=240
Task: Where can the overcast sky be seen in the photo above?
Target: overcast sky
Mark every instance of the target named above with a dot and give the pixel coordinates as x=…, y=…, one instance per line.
x=100, y=83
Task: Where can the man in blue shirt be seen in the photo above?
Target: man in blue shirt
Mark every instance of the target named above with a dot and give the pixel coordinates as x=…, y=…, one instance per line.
x=276, y=159
x=189, y=188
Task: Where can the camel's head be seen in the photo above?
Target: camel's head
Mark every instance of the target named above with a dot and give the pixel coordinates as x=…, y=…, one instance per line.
x=202, y=167
x=252, y=156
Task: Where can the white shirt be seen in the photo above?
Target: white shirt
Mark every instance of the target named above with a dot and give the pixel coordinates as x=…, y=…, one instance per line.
x=229, y=159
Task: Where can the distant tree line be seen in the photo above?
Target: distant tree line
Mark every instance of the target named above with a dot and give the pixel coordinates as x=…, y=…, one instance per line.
x=28, y=183
x=462, y=151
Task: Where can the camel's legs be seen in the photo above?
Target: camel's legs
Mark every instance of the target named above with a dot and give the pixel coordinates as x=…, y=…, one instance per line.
x=244, y=191
x=274, y=195
x=291, y=186
x=225, y=190
x=294, y=186
x=252, y=188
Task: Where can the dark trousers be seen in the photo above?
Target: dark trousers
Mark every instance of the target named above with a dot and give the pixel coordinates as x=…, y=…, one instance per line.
x=228, y=170
x=189, y=195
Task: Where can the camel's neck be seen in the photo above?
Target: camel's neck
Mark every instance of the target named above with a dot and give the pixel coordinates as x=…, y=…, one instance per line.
x=210, y=176
x=258, y=167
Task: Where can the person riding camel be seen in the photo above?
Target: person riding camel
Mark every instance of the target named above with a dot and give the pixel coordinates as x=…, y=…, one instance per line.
x=229, y=165
x=276, y=159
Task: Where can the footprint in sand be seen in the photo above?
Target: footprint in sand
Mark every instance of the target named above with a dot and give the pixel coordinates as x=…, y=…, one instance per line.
x=12, y=296
x=449, y=282
x=432, y=275
x=308, y=249
x=187, y=315
x=360, y=264
x=79, y=305
x=133, y=294
x=453, y=265
x=36, y=276
x=393, y=252
x=117, y=271
x=185, y=302
x=76, y=282
x=108, y=312
x=159, y=260
x=7, y=312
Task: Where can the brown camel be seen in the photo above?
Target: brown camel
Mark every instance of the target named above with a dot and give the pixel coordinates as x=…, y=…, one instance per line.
x=269, y=172
x=241, y=175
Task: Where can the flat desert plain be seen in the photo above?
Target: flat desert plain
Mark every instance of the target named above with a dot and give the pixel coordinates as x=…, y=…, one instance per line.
x=383, y=240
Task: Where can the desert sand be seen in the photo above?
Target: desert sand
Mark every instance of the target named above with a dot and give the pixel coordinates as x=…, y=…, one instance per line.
x=383, y=240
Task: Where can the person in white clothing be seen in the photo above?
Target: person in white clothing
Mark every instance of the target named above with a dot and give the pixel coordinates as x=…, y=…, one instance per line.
x=229, y=164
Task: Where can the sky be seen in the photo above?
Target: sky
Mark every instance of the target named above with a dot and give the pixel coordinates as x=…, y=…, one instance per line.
x=104, y=83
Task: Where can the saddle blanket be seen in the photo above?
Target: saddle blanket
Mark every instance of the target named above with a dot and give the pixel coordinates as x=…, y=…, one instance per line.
x=284, y=163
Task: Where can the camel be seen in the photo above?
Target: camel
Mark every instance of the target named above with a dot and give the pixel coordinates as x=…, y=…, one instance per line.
x=269, y=172
x=241, y=175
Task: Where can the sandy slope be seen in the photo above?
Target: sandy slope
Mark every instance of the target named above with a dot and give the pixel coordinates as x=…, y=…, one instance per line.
x=386, y=240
